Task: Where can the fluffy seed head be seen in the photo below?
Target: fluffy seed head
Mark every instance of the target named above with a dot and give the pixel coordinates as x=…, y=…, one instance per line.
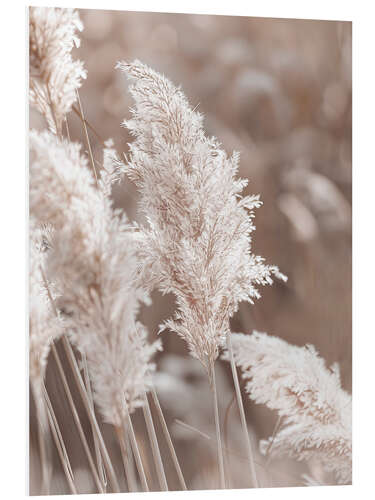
x=54, y=75
x=94, y=261
x=316, y=411
x=197, y=244
x=44, y=324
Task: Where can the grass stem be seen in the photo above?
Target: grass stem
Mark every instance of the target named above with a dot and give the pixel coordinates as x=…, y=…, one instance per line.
x=43, y=429
x=57, y=427
x=69, y=394
x=130, y=478
x=99, y=461
x=137, y=455
x=220, y=456
x=154, y=444
x=168, y=439
x=249, y=451
x=87, y=138
x=76, y=418
x=91, y=414
x=60, y=446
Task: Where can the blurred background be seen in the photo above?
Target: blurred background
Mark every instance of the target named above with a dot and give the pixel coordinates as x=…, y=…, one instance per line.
x=279, y=91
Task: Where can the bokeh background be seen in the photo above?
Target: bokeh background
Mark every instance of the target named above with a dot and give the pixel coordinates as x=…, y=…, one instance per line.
x=280, y=92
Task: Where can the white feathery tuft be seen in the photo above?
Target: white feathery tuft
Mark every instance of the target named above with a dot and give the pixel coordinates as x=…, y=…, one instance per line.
x=198, y=241
x=295, y=381
x=44, y=325
x=94, y=261
x=54, y=75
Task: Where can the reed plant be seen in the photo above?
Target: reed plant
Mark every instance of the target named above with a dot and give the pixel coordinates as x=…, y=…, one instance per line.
x=92, y=269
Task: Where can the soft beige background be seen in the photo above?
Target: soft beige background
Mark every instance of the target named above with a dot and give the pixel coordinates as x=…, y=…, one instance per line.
x=278, y=91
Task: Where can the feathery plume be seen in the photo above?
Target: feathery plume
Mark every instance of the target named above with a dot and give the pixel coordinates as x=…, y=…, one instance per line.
x=113, y=168
x=44, y=326
x=54, y=75
x=316, y=411
x=94, y=261
x=197, y=244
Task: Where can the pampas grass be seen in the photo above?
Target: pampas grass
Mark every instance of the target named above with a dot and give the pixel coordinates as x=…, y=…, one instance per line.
x=92, y=243
x=307, y=395
x=54, y=75
x=197, y=244
x=92, y=269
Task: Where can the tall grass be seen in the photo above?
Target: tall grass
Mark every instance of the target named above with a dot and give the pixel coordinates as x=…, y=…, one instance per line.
x=92, y=269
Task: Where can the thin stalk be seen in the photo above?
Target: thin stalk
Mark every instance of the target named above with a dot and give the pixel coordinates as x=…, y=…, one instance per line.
x=192, y=429
x=168, y=438
x=88, y=124
x=226, y=419
x=152, y=436
x=75, y=369
x=249, y=450
x=130, y=478
x=61, y=443
x=52, y=107
x=99, y=461
x=136, y=452
x=269, y=447
x=198, y=432
x=227, y=457
x=87, y=138
x=93, y=129
x=154, y=444
x=220, y=456
x=76, y=418
x=67, y=129
x=60, y=450
x=131, y=458
x=42, y=421
x=90, y=413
